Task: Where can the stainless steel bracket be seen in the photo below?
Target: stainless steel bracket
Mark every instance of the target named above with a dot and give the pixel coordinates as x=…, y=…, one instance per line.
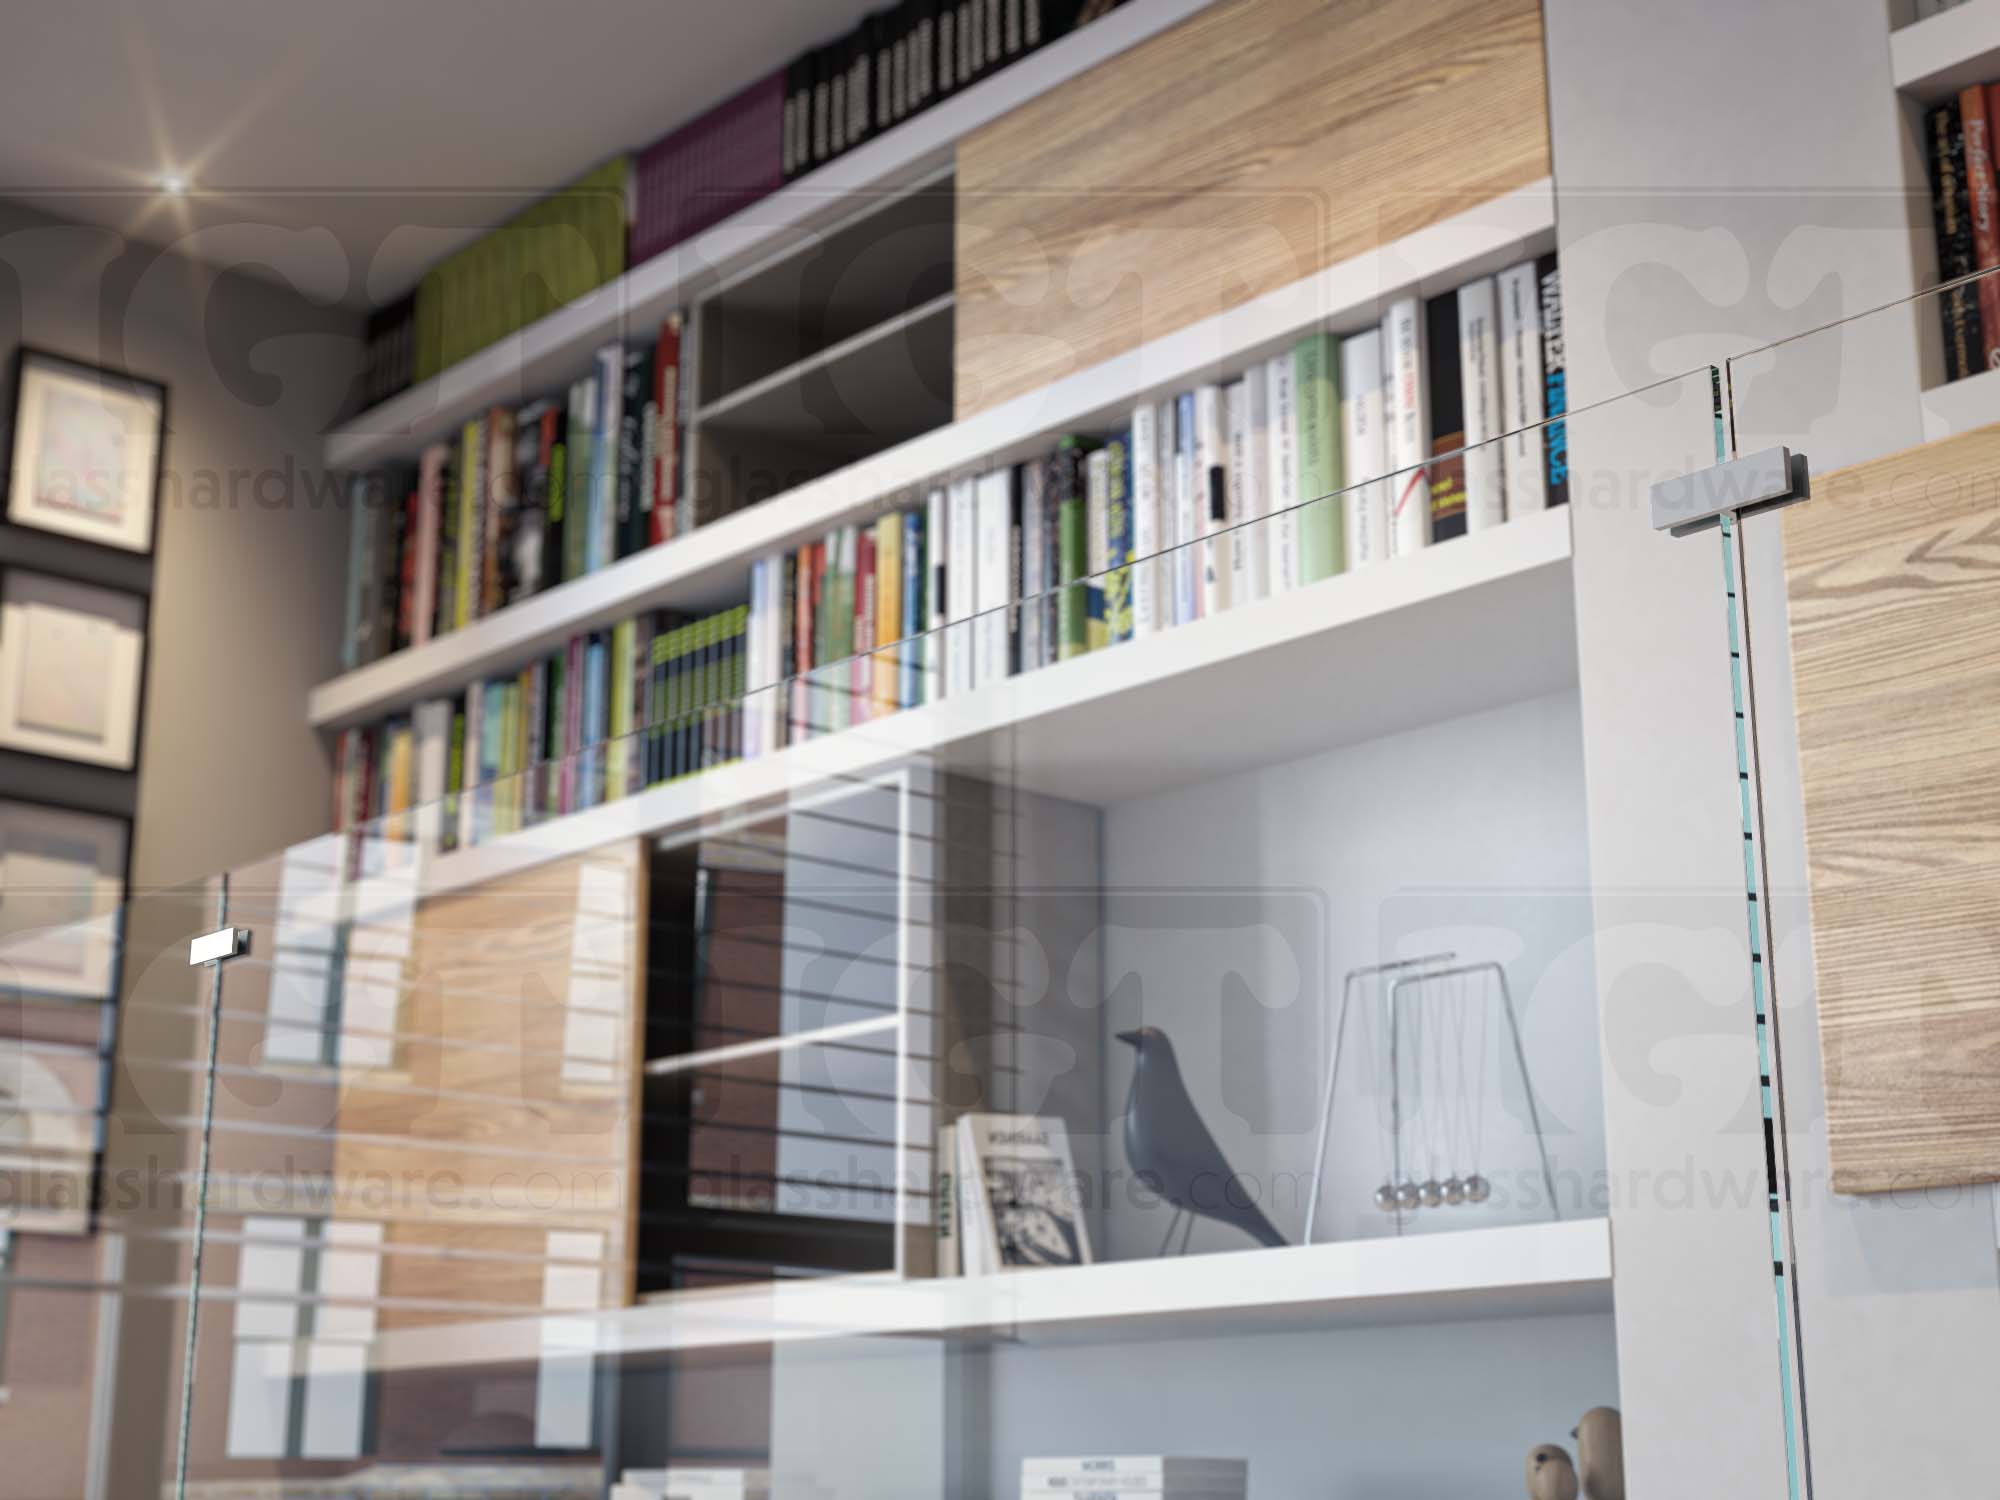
x=1743, y=487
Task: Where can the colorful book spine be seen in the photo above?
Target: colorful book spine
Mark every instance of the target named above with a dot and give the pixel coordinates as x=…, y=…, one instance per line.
x=1118, y=623
x=1555, y=382
x=910, y=687
x=1068, y=481
x=937, y=547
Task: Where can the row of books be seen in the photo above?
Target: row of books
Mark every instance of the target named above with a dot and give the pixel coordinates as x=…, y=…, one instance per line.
x=652, y=699
x=525, y=499
x=1114, y=1476
x=1335, y=454
x=1965, y=210
x=894, y=65
x=901, y=60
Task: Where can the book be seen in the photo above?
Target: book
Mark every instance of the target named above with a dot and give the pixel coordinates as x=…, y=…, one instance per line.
x=1964, y=341
x=1096, y=544
x=944, y=1202
x=1243, y=535
x=1406, y=421
x=1136, y=1467
x=636, y=475
x=1034, y=574
x=1317, y=387
x=1211, y=494
x=1521, y=457
x=1067, y=483
x=1025, y=1205
x=1251, y=457
x=916, y=575
x=669, y=419
x=1145, y=518
x=888, y=671
x=472, y=521
x=1445, y=369
x=1555, y=383
x=1479, y=391
x=1982, y=213
x=861, y=662
x=997, y=578
x=937, y=540
x=577, y=510
x=429, y=539
x=1282, y=530
x=962, y=589
x=1118, y=539
x=1364, y=448
x=502, y=511
x=1189, y=499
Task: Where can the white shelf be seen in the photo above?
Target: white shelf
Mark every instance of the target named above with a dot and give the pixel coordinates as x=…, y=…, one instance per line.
x=1463, y=626
x=1934, y=58
x=1519, y=1271
x=709, y=567
x=558, y=348
x=1961, y=405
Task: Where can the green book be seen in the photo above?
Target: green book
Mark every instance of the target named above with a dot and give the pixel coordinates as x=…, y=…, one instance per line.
x=1067, y=479
x=1322, y=522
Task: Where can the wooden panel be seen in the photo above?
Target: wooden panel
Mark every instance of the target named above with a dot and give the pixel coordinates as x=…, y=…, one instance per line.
x=512, y=1107
x=1252, y=145
x=1893, y=574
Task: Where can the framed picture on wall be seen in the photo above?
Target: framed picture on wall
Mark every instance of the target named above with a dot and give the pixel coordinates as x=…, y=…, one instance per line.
x=72, y=667
x=62, y=902
x=86, y=451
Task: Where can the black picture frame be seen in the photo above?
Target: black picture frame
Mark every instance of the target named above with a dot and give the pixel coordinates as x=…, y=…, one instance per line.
x=28, y=355
x=145, y=599
x=109, y=1006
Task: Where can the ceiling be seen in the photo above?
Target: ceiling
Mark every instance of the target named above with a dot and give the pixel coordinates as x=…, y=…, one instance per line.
x=346, y=147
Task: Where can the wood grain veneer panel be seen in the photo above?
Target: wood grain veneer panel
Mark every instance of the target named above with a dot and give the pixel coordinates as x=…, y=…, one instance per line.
x=1254, y=144
x=1893, y=578
x=512, y=1108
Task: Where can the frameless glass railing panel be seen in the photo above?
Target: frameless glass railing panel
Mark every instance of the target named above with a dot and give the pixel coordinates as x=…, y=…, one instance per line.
x=1863, y=612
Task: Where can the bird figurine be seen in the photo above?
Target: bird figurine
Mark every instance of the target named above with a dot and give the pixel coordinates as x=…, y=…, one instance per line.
x=1171, y=1150
x=1600, y=1453
x=1551, y=1476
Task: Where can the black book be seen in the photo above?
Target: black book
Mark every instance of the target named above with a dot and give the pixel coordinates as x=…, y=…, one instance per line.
x=632, y=517
x=1447, y=403
x=1957, y=256
x=821, y=67
x=521, y=565
x=1555, y=380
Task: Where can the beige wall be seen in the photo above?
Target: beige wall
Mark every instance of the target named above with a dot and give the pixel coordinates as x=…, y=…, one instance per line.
x=248, y=570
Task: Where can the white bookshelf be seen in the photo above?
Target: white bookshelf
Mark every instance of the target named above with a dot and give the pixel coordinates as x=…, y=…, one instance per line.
x=710, y=566
x=558, y=348
x=1960, y=405
x=1463, y=626
x=1934, y=58
x=1515, y=1271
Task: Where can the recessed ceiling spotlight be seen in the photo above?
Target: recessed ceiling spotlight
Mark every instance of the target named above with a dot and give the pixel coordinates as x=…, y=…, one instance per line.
x=173, y=184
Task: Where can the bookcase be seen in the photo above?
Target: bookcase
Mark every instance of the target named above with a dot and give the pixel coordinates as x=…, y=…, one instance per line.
x=1060, y=842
